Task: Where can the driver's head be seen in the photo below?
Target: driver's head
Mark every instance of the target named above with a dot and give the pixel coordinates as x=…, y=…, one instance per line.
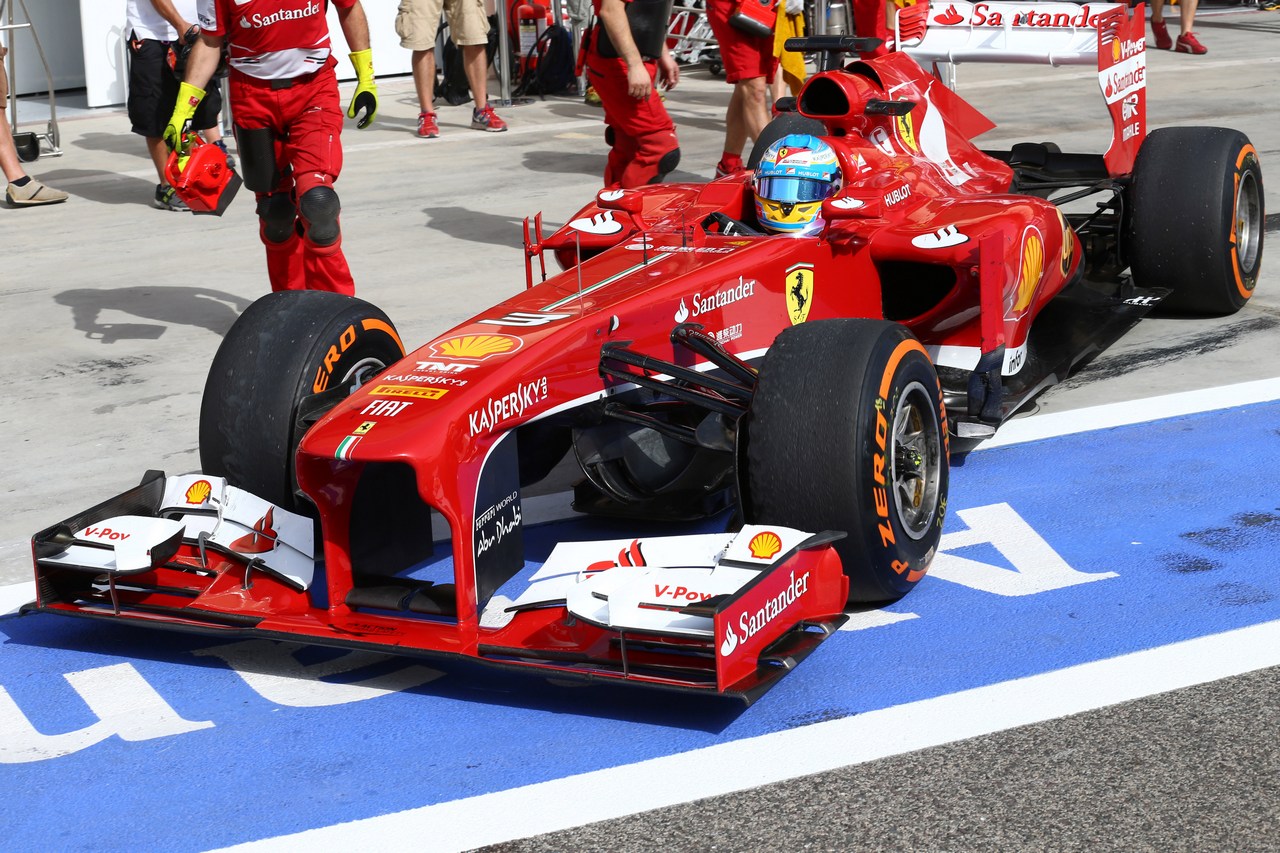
x=795, y=174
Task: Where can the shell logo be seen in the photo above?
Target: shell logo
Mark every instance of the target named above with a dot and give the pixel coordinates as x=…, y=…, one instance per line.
x=1115, y=50
x=198, y=492
x=1068, y=244
x=1032, y=269
x=476, y=347
x=764, y=545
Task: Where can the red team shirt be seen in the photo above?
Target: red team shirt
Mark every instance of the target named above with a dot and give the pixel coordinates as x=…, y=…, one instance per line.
x=272, y=39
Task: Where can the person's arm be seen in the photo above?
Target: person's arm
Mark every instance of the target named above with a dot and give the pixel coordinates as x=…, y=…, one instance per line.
x=668, y=70
x=170, y=13
x=206, y=53
x=355, y=28
x=613, y=14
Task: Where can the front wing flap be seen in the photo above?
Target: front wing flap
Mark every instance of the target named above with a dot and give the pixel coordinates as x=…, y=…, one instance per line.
x=751, y=603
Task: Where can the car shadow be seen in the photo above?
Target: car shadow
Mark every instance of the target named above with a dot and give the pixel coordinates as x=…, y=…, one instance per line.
x=492, y=229
x=460, y=680
x=201, y=307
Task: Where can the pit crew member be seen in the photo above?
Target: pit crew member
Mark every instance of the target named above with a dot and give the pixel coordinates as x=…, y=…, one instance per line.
x=749, y=65
x=287, y=115
x=626, y=55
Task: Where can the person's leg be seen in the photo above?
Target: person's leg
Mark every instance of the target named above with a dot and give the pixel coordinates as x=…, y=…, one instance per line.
x=9, y=161
x=476, y=64
x=1187, y=41
x=1187, y=14
x=735, y=129
x=755, y=106
x=424, y=78
x=315, y=153
x=22, y=190
x=417, y=22
x=1158, y=28
x=469, y=29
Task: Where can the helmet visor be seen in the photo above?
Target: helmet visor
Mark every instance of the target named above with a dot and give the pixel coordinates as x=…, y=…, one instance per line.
x=789, y=189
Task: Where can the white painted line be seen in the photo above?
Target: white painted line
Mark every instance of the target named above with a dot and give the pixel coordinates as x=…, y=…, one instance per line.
x=15, y=595
x=743, y=764
x=1037, y=427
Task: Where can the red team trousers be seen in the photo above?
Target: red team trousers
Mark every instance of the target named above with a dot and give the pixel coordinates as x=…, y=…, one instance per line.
x=306, y=119
x=643, y=133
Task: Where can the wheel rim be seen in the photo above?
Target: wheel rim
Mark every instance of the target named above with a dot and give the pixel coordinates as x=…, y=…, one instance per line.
x=1248, y=223
x=916, y=469
x=362, y=371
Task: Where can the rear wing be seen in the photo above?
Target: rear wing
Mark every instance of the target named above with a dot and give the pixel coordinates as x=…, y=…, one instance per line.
x=1106, y=35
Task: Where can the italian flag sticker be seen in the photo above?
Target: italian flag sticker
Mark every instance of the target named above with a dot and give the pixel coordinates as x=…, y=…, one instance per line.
x=346, y=446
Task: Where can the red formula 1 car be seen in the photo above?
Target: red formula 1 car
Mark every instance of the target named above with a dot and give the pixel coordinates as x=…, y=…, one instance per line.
x=800, y=392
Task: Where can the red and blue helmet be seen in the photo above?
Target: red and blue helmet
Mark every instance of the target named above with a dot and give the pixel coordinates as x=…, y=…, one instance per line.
x=795, y=175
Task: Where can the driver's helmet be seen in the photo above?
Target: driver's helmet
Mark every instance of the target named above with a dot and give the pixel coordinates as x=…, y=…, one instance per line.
x=795, y=174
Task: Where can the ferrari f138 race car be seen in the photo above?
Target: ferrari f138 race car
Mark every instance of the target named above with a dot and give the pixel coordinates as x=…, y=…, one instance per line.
x=690, y=368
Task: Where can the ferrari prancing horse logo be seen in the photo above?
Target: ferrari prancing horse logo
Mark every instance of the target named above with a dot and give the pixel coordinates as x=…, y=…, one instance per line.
x=800, y=281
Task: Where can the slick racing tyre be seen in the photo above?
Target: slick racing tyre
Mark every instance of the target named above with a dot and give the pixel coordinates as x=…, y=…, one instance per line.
x=847, y=431
x=285, y=349
x=1194, y=218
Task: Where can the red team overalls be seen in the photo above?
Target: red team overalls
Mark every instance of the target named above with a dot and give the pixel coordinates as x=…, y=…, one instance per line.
x=641, y=134
x=284, y=100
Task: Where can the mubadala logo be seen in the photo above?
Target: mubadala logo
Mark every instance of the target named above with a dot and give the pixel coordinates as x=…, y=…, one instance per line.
x=749, y=624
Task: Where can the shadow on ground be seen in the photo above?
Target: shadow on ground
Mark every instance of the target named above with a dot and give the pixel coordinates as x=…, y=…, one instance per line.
x=201, y=307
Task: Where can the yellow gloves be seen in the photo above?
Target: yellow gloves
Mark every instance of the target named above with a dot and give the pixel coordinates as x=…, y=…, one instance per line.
x=365, y=98
x=189, y=97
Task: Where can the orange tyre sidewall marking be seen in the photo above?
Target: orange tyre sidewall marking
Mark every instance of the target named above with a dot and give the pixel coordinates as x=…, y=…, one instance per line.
x=380, y=326
x=886, y=382
x=1235, y=202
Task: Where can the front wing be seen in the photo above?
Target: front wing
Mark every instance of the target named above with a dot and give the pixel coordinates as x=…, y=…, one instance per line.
x=725, y=613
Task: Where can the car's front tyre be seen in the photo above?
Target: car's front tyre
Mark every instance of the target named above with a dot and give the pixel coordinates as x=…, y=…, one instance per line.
x=847, y=431
x=285, y=348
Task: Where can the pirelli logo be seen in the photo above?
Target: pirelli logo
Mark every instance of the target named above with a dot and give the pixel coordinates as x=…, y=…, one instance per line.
x=409, y=391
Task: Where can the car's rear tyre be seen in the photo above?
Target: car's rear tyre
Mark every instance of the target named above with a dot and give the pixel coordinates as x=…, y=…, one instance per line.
x=847, y=431
x=284, y=348
x=1195, y=214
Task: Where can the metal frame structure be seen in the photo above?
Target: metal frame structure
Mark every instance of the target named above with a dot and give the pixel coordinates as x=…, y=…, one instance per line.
x=51, y=137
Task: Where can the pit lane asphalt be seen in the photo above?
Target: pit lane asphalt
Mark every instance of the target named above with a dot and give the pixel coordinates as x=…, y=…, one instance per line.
x=115, y=309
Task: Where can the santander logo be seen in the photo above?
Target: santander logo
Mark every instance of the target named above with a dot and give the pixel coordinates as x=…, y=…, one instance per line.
x=258, y=20
x=751, y=623
x=730, y=641
x=949, y=18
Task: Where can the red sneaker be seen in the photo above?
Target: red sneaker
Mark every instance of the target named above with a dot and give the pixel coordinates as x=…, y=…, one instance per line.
x=1163, y=41
x=427, y=127
x=729, y=164
x=1188, y=43
x=487, y=119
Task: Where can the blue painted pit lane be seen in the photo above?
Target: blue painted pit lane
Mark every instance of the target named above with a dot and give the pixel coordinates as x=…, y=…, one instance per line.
x=1167, y=529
